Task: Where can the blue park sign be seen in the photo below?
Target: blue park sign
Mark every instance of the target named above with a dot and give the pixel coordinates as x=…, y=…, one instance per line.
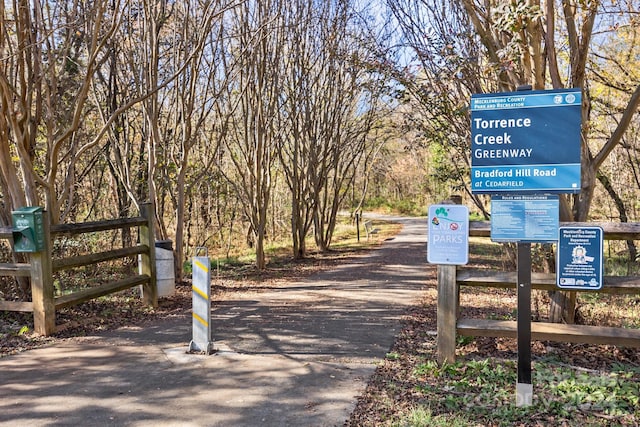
x=526, y=142
x=580, y=254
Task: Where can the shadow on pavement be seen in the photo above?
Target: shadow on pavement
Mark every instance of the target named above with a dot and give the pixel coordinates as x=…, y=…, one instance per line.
x=297, y=355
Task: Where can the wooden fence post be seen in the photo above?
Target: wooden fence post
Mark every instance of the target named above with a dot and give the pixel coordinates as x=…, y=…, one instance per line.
x=447, y=313
x=148, y=264
x=42, y=294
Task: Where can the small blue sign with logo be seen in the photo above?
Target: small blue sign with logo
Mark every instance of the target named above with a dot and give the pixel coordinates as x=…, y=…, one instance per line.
x=580, y=253
x=448, y=240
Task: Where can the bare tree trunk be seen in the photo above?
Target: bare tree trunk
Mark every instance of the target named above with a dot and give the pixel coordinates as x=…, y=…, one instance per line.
x=622, y=212
x=579, y=20
x=252, y=139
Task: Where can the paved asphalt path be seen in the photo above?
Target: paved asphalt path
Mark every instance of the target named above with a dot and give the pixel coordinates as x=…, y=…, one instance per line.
x=292, y=356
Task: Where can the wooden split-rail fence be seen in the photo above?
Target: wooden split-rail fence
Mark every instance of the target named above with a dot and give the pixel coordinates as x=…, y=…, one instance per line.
x=42, y=266
x=451, y=278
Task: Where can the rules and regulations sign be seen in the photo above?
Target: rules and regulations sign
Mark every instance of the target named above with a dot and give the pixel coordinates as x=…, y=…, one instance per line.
x=526, y=142
x=580, y=254
x=523, y=218
x=448, y=239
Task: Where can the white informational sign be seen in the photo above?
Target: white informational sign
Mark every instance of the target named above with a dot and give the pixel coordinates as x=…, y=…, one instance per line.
x=448, y=239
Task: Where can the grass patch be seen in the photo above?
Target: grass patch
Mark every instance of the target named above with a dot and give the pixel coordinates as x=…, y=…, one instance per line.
x=403, y=207
x=422, y=416
x=280, y=252
x=482, y=392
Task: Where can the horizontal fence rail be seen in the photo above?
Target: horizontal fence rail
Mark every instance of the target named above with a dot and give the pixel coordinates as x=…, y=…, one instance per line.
x=451, y=278
x=41, y=267
x=612, y=230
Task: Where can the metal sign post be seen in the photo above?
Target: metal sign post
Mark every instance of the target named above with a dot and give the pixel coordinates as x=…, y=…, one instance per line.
x=524, y=387
x=525, y=142
x=201, y=294
x=524, y=219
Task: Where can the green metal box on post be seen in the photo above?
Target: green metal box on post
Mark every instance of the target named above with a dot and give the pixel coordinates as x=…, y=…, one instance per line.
x=28, y=230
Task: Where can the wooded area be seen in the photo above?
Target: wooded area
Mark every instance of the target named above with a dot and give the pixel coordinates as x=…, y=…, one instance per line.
x=244, y=121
